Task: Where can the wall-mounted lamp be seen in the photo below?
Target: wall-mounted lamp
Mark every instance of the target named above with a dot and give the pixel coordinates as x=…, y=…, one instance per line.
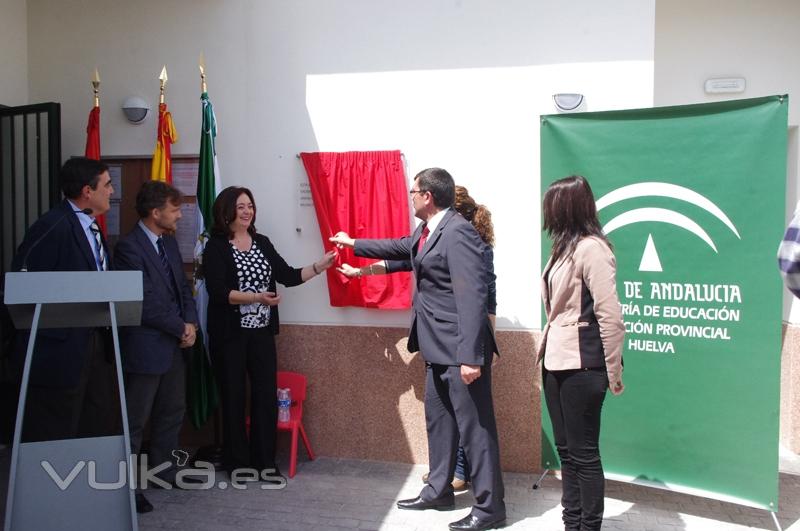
x=569, y=102
x=135, y=109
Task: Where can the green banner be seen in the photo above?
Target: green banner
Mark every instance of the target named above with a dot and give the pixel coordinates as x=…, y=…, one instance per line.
x=692, y=198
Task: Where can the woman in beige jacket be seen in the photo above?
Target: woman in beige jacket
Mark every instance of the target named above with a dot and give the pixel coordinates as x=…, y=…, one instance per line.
x=581, y=344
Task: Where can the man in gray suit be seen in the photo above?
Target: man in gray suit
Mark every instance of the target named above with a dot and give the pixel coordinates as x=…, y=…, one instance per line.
x=451, y=328
x=152, y=356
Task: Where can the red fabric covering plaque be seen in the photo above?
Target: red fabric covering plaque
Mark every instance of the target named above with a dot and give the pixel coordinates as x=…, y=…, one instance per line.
x=363, y=193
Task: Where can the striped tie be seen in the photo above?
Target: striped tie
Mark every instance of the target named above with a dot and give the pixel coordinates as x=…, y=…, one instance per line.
x=162, y=253
x=102, y=263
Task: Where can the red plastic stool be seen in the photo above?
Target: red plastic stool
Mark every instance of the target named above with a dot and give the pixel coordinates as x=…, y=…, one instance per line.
x=297, y=383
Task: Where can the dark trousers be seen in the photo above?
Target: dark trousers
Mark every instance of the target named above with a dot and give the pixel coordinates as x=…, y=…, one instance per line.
x=250, y=352
x=89, y=409
x=575, y=399
x=161, y=398
x=456, y=411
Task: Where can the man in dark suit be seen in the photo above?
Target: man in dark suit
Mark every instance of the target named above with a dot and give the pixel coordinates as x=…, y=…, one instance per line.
x=152, y=356
x=72, y=387
x=452, y=330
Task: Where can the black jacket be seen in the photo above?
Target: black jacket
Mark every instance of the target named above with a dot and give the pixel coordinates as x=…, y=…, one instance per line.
x=59, y=353
x=450, y=320
x=393, y=266
x=219, y=270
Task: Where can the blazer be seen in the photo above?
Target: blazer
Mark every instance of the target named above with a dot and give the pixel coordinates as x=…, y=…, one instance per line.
x=584, y=317
x=393, y=266
x=219, y=270
x=59, y=353
x=450, y=321
x=150, y=348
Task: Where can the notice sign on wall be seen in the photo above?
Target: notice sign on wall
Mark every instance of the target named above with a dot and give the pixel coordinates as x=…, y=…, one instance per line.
x=692, y=198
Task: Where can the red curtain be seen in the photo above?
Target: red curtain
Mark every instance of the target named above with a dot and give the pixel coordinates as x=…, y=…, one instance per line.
x=364, y=194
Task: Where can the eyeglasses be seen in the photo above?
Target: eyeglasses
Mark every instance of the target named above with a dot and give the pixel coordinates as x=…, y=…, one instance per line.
x=412, y=192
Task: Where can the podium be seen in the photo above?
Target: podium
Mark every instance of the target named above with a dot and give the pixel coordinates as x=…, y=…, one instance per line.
x=81, y=483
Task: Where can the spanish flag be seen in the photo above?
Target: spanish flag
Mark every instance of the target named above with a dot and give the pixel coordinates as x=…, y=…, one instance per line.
x=161, y=169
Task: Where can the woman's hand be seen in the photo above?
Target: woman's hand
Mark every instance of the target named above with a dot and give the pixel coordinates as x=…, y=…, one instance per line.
x=349, y=271
x=342, y=239
x=325, y=262
x=268, y=297
x=617, y=387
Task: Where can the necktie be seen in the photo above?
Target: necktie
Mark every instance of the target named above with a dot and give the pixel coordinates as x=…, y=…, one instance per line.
x=162, y=254
x=102, y=263
x=423, y=238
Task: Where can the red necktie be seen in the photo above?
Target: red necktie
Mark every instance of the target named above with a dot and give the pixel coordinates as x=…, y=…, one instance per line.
x=423, y=239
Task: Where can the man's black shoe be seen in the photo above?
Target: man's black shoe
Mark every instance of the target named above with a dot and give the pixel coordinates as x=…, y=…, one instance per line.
x=143, y=505
x=445, y=503
x=473, y=523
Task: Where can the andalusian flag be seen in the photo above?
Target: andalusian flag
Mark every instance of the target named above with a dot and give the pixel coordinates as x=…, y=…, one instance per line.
x=93, y=149
x=208, y=181
x=203, y=397
x=161, y=169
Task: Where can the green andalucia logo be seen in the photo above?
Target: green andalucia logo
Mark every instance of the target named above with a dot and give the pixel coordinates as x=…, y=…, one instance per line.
x=650, y=260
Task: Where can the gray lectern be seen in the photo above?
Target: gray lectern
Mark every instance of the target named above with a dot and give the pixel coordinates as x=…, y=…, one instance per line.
x=78, y=484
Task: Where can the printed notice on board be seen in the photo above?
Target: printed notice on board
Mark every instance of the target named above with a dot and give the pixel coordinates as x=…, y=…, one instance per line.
x=184, y=176
x=115, y=172
x=304, y=194
x=187, y=231
x=303, y=212
x=113, y=215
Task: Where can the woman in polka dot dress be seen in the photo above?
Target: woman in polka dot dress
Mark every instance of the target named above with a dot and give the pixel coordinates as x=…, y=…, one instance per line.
x=241, y=269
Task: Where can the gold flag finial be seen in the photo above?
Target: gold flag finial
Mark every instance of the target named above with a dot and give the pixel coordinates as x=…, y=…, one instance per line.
x=202, y=65
x=96, y=87
x=163, y=79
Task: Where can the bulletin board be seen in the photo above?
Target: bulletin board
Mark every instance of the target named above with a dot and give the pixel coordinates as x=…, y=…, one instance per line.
x=127, y=175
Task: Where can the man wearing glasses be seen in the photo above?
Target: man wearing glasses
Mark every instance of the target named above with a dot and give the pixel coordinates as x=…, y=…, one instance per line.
x=451, y=329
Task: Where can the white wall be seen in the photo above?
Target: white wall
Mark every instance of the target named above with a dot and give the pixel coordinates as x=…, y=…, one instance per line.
x=759, y=41
x=456, y=84
x=13, y=52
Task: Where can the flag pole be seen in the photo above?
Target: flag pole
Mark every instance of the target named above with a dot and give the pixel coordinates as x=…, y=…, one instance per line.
x=202, y=65
x=200, y=361
x=166, y=135
x=92, y=150
x=96, y=87
x=162, y=78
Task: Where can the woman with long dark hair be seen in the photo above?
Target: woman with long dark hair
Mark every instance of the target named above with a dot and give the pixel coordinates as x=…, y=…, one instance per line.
x=241, y=269
x=581, y=347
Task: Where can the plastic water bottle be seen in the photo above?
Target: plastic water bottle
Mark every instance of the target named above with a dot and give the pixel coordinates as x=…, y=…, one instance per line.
x=284, y=403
